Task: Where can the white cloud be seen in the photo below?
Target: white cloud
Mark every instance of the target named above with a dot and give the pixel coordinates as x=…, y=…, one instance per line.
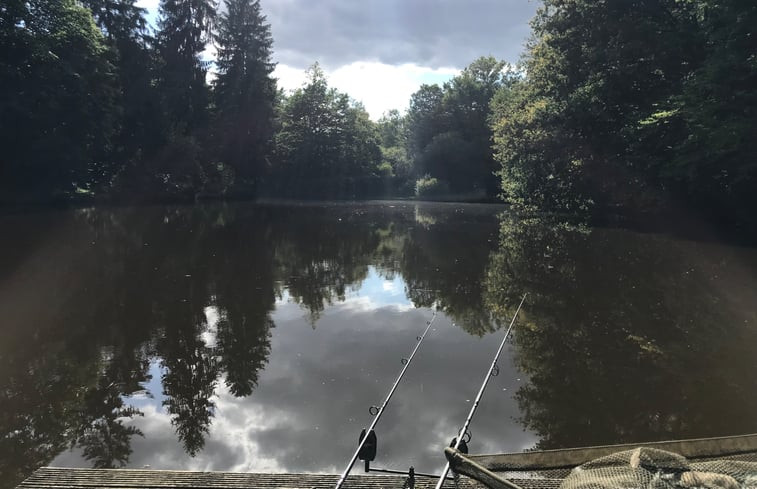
x=148, y=4
x=209, y=336
x=238, y=424
x=289, y=78
x=363, y=304
x=380, y=87
x=436, y=33
x=152, y=10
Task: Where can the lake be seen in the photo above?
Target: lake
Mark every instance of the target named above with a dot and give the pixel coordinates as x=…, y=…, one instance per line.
x=255, y=337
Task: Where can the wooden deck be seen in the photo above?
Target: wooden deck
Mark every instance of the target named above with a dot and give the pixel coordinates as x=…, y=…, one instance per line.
x=53, y=478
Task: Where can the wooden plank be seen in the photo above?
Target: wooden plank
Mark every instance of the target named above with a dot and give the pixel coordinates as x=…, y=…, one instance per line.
x=572, y=457
x=466, y=466
x=60, y=478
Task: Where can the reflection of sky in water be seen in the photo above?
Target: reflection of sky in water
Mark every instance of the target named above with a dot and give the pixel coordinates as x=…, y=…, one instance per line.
x=313, y=396
x=381, y=291
x=619, y=328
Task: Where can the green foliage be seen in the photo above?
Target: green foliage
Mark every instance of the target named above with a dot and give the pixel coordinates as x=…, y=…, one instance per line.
x=396, y=158
x=177, y=170
x=184, y=29
x=448, y=157
x=536, y=171
x=616, y=106
x=584, y=332
x=119, y=19
x=385, y=169
x=715, y=162
x=140, y=131
x=244, y=90
x=565, y=140
x=102, y=435
x=425, y=118
x=632, y=105
x=325, y=142
x=448, y=128
x=429, y=186
x=392, y=132
x=57, y=110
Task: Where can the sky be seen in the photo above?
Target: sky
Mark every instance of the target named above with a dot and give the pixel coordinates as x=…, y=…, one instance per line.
x=381, y=51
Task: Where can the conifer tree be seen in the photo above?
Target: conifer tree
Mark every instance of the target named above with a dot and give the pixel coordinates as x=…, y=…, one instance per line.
x=245, y=92
x=124, y=26
x=184, y=30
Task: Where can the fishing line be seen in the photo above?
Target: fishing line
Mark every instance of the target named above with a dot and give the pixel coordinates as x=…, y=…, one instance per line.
x=378, y=411
x=489, y=374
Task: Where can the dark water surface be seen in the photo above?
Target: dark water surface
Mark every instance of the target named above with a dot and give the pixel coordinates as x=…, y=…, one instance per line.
x=254, y=337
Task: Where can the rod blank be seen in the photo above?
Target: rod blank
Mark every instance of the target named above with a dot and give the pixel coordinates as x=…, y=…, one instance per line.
x=376, y=418
x=488, y=376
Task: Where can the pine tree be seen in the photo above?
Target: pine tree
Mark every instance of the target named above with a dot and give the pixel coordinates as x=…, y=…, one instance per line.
x=118, y=19
x=125, y=29
x=245, y=92
x=184, y=29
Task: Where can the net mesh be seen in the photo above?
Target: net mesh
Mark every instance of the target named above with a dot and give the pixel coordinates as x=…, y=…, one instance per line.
x=658, y=469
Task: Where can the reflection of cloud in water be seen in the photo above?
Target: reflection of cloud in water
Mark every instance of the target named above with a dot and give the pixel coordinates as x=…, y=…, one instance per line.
x=383, y=291
x=210, y=334
x=314, y=395
x=367, y=304
x=284, y=298
x=375, y=292
x=350, y=363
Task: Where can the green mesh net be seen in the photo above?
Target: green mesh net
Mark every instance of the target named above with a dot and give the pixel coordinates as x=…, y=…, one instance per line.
x=652, y=468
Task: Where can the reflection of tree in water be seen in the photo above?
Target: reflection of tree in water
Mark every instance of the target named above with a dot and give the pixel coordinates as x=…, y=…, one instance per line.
x=443, y=261
x=244, y=294
x=65, y=396
x=37, y=408
x=195, y=288
x=102, y=434
x=188, y=383
x=322, y=255
x=137, y=283
x=628, y=337
x=244, y=348
x=69, y=357
x=234, y=276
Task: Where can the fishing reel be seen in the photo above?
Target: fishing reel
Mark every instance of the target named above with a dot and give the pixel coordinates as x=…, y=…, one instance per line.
x=463, y=446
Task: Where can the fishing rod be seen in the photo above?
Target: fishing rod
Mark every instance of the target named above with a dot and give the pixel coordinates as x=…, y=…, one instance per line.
x=378, y=411
x=489, y=375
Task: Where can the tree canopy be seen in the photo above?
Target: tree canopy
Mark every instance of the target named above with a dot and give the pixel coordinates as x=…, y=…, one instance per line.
x=57, y=109
x=245, y=92
x=449, y=133
x=632, y=105
x=326, y=143
x=615, y=107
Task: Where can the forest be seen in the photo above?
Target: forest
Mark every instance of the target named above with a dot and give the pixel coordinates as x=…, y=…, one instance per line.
x=615, y=107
